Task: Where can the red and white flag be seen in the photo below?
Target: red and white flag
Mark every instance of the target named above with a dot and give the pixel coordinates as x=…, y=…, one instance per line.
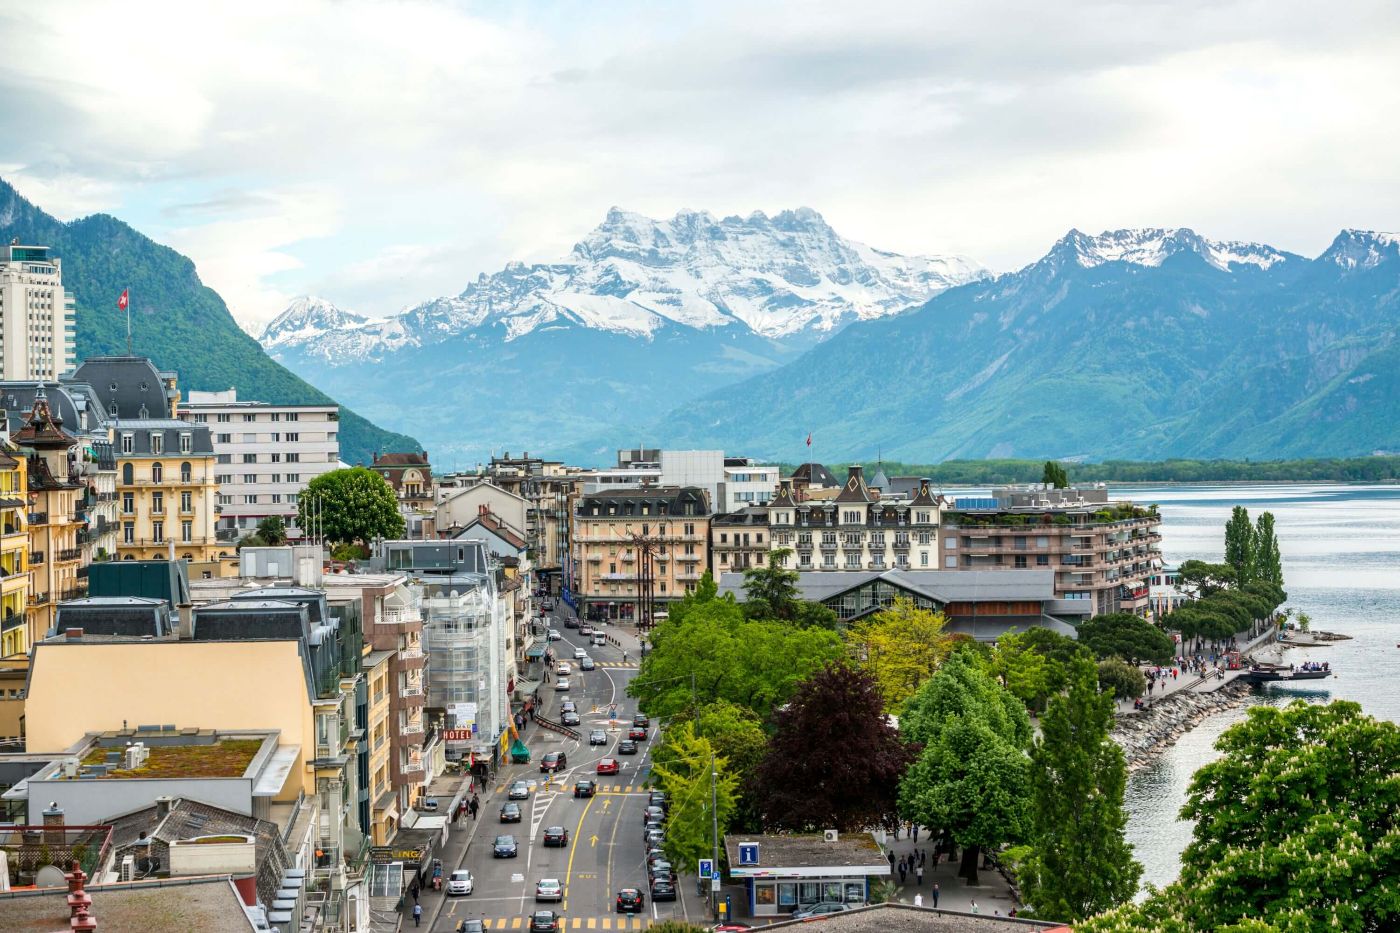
x=809, y=437
x=122, y=301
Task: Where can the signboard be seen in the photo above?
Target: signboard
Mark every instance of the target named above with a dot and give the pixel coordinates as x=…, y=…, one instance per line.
x=395, y=854
x=457, y=735
x=748, y=853
x=707, y=868
x=714, y=884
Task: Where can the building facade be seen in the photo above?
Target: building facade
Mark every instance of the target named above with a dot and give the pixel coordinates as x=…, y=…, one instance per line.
x=638, y=549
x=266, y=455
x=746, y=483
x=14, y=568
x=36, y=315
x=549, y=487
x=740, y=540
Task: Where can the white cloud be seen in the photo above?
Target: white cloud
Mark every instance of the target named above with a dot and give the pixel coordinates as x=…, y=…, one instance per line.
x=305, y=144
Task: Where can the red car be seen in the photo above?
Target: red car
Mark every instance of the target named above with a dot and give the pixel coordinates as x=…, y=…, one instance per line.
x=637, y=734
x=608, y=766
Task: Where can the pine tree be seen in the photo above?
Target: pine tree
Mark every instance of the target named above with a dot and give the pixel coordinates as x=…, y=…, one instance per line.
x=1268, y=561
x=1081, y=863
x=1240, y=545
x=1054, y=475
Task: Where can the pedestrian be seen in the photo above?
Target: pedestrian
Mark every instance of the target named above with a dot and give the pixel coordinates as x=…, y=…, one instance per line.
x=903, y=872
x=916, y=834
x=923, y=857
x=973, y=909
x=919, y=874
x=417, y=914
x=934, y=892
x=918, y=900
x=413, y=889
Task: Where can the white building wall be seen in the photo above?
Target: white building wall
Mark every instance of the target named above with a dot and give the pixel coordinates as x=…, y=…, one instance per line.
x=703, y=468
x=745, y=486
x=36, y=317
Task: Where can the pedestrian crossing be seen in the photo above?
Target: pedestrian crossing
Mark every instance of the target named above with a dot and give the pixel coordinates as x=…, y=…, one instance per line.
x=620, y=922
x=627, y=664
x=601, y=788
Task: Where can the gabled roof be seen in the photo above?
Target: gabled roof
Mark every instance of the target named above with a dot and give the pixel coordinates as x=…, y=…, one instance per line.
x=401, y=459
x=43, y=429
x=814, y=474
x=924, y=495
x=855, y=489
x=784, y=497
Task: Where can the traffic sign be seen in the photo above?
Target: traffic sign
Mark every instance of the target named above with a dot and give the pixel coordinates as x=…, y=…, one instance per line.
x=714, y=884
x=707, y=868
x=748, y=853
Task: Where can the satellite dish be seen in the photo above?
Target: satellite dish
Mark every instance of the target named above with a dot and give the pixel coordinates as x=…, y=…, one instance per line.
x=50, y=876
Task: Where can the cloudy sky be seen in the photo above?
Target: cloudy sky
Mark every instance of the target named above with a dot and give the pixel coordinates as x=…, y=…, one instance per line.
x=380, y=153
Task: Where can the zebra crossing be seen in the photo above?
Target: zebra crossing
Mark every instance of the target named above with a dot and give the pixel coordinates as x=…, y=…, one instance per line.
x=573, y=923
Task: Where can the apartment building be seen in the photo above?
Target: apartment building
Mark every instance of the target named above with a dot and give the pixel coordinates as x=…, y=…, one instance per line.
x=36, y=314
x=266, y=455
x=549, y=487
x=637, y=549
x=1101, y=551
x=739, y=540
x=857, y=528
x=14, y=572
x=746, y=483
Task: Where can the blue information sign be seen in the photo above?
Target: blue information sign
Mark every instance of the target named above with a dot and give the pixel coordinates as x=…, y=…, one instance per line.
x=707, y=868
x=748, y=853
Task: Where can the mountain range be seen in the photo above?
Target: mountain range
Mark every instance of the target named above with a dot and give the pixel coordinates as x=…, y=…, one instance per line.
x=178, y=321
x=642, y=315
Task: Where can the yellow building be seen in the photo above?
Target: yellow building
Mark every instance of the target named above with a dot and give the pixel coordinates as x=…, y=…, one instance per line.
x=14, y=555
x=380, y=735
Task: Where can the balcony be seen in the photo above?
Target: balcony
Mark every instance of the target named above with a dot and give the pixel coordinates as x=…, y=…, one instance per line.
x=38, y=518
x=36, y=558
x=412, y=729
x=400, y=617
x=72, y=553
x=688, y=558
x=410, y=690
x=73, y=592
x=414, y=653
x=12, y=620
x=411, y=766
x=38, y=599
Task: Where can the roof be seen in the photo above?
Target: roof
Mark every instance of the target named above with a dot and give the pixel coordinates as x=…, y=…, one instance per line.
x=227, y=757
x=170, y=429
x=115, y=615
x=402, y=459
x=814, y=474
x=376, y=658
x=855, y=489
x=493, y=523
x=133, y=383
x=944, y=586
x=749, y=515
x=210, y=905
x=784, y=854
x=660, y=502
x=902, y=918
x=43, y=429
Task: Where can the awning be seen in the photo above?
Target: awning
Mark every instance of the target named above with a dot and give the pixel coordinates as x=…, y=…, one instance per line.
x=534, y=652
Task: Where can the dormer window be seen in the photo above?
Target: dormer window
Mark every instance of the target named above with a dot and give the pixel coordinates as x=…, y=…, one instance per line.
x=157, y=442
x=128, y=443
x=186, y=442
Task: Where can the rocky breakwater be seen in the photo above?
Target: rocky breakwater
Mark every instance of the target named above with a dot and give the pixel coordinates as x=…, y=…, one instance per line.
x=1146, y=733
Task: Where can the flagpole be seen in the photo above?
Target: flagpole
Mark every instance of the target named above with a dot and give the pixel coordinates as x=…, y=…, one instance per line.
x=128, y=323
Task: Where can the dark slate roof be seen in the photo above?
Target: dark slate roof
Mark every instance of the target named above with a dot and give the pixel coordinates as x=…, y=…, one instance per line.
x=814, y=474
x=73, y=403
x=115, y=615
x=234, y=620
x=661, y=502
x=748, y=516
x=313, y=600
x=141, y=429
x=784, y=497
x=132, y=382
x=925, y=495
x=855, y=489
x=401, y=460
x=43, y=428
x=903, y=918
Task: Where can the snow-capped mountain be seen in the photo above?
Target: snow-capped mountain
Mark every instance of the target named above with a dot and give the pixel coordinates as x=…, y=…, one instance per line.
x=781, y=277
x=1151, y=246
x=1363, y=249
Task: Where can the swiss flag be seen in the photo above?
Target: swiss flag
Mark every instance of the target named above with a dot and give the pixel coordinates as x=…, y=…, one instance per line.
x=809, y=433
x=122, y=301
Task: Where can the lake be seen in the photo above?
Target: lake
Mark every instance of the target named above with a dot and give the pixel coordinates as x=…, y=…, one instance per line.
x=1341, y=565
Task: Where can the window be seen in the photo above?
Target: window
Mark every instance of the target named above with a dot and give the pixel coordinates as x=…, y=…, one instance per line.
x=128, y=503
x=923, y=558
x=200, y=419
x=1042, y=560
x=225, y=458
x=249, y=438
x=293, y=416
x=275, y=416
x=186, y=502
x=157, y=531
x=157, y=473
x=186, y=442
x=223, y=438
x=250, y=418
x=951, y=562
x=276, y=437
x=277, y=498
x=924, y=537
x=293, y=458
x=276, y=458
x=187, y=532
x=250, y=458
x=293, y=477
x=157, y=442
x=128, y=532
x=1020, y=561
x=157, y=503
x=223, y=478
x=250, y=477
x=186, y=472
x=128, y=443
x=250, y=499
x=293, y=437
x=221, y=419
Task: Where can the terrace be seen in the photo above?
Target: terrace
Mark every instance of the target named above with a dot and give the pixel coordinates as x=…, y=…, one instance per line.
x=223, y=759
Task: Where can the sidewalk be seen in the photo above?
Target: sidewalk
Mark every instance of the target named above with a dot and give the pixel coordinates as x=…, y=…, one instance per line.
x=993, y=895
x=1200, y=683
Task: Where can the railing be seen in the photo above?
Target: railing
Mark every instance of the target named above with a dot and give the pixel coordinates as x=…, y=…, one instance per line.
x=411, y=766
x=410, y=654
x=38, y=518
x=411, y=690
x=12, y=530
x=36, y=557
x=73, y=592
x=399, y=616
x=72, y=553
x=38, y=599
x=176, y=480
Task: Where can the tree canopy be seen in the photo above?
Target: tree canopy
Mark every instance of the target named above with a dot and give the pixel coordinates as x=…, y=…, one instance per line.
x=350, y=506
x=686, y=777
x=737, y=736
x=1080, y=862
x=1124, y=635
x=1240, y=544
x=1120, y=679
x=770, y=592
x=834, y=761
x=273, y=530
x=1034, y=664
x=1054, y=475
x=900, y=647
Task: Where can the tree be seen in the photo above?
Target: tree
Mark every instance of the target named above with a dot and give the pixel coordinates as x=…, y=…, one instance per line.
x=1054, y=475
x=1295, y=830
x=273, y=530
x=737, y=736
x=773, y=585
x=834, y=761
x=970, y=776
x=1034, y=664
x=1080, y=862
x=1121, y=679
x=900, y=647
x=692, y=778
x=1268, y=561
x=1202, y=578
x=1240, y=544
x=349, y=506
x=1124, y=635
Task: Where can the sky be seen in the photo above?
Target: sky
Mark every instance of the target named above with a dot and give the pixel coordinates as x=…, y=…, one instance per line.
x=379, y=154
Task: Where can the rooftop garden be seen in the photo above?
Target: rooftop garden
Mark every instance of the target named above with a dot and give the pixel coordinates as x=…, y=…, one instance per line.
x=226, y=758
x=1113, y=512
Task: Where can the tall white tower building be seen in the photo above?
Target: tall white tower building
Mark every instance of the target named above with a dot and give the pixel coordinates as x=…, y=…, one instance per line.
x=36, y=315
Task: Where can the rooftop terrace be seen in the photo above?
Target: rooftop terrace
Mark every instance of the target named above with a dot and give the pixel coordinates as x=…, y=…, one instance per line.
x=222, y=759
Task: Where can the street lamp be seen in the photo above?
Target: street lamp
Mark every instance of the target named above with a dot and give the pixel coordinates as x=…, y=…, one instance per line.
x=645, y=548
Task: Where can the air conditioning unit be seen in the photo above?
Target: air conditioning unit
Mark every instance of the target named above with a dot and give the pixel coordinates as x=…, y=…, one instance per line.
x=134, y=756
x=70, y=767
x=128, y=869
x=831, y=835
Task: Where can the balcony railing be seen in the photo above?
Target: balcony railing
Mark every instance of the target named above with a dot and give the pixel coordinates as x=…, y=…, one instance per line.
x=38, y=518
x=412, y=727
x=411, y=654
x=399, y=616
x=410, y=690
x=11, y=620
x=411, y=766
x=36, y=557
x=38, y=599
x=72, y=553
x=73, y=592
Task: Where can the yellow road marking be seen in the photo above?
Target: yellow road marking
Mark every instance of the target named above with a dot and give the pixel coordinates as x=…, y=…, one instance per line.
x=516, y=923
x=573, y=850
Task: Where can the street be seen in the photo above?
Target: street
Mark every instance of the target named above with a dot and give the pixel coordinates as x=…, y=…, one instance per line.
x=605, y=849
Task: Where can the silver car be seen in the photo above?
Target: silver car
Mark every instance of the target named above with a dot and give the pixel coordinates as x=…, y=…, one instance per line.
x=549, y=889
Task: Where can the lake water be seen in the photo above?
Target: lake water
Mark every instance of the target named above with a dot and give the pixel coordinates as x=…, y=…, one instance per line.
x=1341, y=565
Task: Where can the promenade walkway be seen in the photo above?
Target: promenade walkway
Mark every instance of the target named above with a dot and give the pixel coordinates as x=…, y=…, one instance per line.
x=1207, y=682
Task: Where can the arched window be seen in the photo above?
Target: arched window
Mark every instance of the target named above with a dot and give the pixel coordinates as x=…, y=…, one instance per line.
x=157, y=473
x=185, y=472
x=128, y=474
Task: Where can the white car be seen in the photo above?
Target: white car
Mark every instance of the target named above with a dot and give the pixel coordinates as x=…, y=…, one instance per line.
x=561, y=684
x=554, y=634
x=580, y=654
x=549, y=889
x=563, y=670
x=460, y=882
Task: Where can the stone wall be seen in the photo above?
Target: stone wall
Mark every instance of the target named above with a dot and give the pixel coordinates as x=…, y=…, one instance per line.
x=1145, y=734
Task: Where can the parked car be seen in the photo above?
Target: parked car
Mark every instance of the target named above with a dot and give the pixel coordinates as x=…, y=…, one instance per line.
x=505, y=847
x=554, y=761
x=817, y=910
x=608, y=766
x=630, y=901
x=654, y=837
x=657, y=798
x=561, y=684
x=556, y=836
x=585, y=789
x=650, y=828
x=660, y=869
x=580, y=654
x=597, y=737
x=510, y=813
x=627, y=747
x=460, y=882
x=570, y=719
x=519, y=790
x=653, y=815
x=663, y=889
x=586, y=664
x=729, y=926
x=549, y=889
x=545, y=921
x=555, y=634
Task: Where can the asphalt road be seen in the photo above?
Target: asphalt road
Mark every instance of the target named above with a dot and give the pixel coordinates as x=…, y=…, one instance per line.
x=605, y=850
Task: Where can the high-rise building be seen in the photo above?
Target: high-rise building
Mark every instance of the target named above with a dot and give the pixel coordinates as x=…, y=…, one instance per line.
x=36, y=315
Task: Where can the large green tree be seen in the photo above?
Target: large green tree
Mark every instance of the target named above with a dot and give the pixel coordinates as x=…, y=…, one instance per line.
x=834, y=761
x=1297, y=829
x=1240, y=544
x=349, y=506
x=1080, y=862
x=1124, y=635
x=1268, y=561
x=737, y=736
x=971, y=774
x=1054, y=475
x=1121, y=679
x=1034, y=664
x=703, y=791
x=770, y=592
x=900, y=647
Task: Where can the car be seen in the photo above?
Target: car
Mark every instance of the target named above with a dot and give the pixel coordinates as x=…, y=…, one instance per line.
x=553, y=761
x=585, y=789
x=570, y=719
x=650, y=828
x=600, y=639
x=653, y=815
x=608, y=766
x=663, y=889
x=819, y=909
x=586, y=664
x=549, y=889
x=519, y=790
x=597, y=737
x=469, y=926
x=641, y=721
x=654, y=837
x=556, y=836
x=568, y=706
x=555, y=634
x=580, y=654
x=545, y=921
x=630, y=901
x=656, y=854
x=505, y=847
x=564, y=669
x=660, y=869
x=657, y=798
x=627, y=747
x=460, y=882
x=561, y=684
x=510, y=813
x=585, y=629
x=571, y=623
x=637, y=734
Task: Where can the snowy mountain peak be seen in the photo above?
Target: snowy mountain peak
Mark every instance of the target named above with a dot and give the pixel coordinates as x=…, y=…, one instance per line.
x=307, y=317
x=1363, y=249
x=1151, y=246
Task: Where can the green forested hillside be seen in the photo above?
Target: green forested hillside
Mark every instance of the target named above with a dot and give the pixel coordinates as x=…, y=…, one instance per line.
x=178, y=321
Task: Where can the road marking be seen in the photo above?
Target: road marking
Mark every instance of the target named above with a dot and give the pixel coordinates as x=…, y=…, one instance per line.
x=573, y=850
x=593, y=841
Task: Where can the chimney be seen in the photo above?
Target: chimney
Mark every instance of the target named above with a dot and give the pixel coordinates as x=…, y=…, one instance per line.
x=186, y=626
x=163, y=807
x=856, y=472
x=53, y=824
x=73, y=634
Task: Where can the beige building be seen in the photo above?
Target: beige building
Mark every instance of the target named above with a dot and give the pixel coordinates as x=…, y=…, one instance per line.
x=637, y=549
x=36, y=315
x=14, y=563
x=549, y=487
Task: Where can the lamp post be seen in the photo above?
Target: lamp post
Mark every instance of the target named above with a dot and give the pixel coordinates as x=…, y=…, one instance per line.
x=645, y=548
